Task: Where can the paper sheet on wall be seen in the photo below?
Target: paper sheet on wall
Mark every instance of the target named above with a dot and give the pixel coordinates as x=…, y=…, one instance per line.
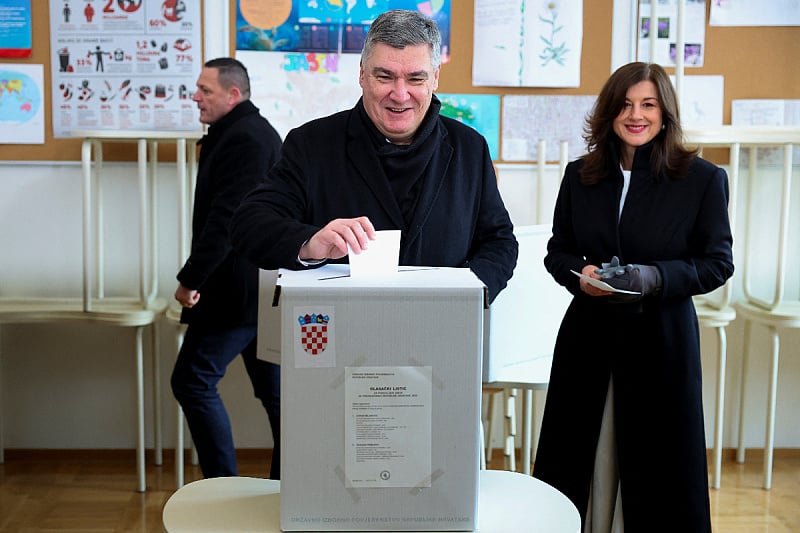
x=527, y=44
x=767, y=112
x=478, y=111
x=290, y=91
x=667, y=28
x=701, y=100
x=755, y=13
x=528, y=119
x=388, y=426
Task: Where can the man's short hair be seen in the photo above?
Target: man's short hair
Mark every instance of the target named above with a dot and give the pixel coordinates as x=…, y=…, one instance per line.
x=232, y=73
x=400, y=28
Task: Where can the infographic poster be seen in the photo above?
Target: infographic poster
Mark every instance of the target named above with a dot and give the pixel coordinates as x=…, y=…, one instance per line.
x=124, y=64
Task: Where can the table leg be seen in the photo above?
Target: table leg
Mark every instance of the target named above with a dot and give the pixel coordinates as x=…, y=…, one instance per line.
x=140, y=465
x=179, y=428
x=720, y=407
x=527, y=425
x=157, y=423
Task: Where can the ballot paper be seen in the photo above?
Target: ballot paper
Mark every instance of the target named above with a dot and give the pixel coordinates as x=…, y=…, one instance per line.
x=600, y=284
x=381, y=257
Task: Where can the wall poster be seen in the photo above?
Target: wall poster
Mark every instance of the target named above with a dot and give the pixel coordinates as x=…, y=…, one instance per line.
x=124, y=64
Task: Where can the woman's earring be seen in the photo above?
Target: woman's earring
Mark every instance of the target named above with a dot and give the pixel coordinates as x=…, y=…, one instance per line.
x=663, y=126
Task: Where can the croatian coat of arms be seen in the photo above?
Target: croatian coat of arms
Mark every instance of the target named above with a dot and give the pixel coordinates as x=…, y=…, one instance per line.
x=314, y=329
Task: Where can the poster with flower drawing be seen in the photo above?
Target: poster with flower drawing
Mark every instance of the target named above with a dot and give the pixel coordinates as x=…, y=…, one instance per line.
x=527, y=43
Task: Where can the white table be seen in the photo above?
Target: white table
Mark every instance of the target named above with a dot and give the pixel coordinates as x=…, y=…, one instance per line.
x=95, y=306
x=529, y=375
x=508, y=502
x=93, y=268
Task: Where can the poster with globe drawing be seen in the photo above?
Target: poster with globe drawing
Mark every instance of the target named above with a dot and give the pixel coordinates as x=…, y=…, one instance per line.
x=21, y=111
x=303, y=56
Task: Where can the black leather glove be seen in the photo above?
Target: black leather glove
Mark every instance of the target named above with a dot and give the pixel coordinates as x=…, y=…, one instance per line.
x=644, y=279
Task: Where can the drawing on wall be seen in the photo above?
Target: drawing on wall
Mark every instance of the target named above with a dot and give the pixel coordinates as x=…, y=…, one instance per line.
x=667, y=29
x=701, y=100
x=767, y=112
x=527, y=119
x=525, y=43
x=327, y=26
x=755, y=13
x=481, y=112
x=292, y=88
x=21, y=111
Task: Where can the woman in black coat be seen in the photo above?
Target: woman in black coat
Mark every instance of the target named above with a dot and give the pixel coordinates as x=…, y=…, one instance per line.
x=641, y=196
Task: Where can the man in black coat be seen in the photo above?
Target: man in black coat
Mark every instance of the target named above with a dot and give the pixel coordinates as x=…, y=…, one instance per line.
x=391, y=162
x=217, y=288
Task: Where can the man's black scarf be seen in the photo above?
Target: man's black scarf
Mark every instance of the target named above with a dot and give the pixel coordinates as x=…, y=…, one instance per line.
x=406, y=165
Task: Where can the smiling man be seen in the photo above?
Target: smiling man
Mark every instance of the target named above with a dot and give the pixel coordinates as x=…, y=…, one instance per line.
x=391, y=162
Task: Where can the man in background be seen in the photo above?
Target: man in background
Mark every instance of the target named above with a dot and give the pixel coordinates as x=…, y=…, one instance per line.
x=217, y=288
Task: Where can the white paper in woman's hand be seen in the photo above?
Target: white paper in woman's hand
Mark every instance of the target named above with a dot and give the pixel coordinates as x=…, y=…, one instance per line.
x=600, y=284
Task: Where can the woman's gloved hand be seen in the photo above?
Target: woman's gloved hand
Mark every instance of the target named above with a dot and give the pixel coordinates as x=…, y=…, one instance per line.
x=644, y=279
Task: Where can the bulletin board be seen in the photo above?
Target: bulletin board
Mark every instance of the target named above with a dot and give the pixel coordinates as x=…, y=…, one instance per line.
x=61, y=149
x=756, y=62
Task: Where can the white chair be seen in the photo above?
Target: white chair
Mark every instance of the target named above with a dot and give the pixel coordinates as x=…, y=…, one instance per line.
x=509, y=410
x=776, y=314
x=717, y=314
x=717, y=317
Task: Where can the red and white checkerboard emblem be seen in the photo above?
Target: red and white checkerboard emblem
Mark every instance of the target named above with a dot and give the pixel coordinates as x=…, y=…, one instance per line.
x=314, y=332
x=314, y=338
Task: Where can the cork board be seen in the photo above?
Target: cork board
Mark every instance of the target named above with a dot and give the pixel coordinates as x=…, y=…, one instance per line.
x=756, y=62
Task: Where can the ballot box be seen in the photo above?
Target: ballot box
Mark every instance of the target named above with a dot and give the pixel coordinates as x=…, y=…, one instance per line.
x=380, y=399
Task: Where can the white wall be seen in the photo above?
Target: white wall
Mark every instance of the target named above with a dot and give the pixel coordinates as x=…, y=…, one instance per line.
x=72, y=385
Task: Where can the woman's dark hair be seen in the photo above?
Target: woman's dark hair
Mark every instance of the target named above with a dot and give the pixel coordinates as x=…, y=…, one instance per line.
x=670, y=157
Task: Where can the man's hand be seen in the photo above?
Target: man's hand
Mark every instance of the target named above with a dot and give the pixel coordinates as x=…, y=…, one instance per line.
x=331, y=241
x=186, y=297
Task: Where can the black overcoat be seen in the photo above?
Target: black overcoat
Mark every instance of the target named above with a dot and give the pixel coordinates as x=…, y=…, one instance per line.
x=235, y=156
x=329, y=169
x=651, y=349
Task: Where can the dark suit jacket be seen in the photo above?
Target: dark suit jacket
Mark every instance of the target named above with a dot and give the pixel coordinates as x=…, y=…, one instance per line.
x=329, y=169
x=235, y=157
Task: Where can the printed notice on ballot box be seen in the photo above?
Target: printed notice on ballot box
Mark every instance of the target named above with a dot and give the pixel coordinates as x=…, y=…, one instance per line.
x=388, y=426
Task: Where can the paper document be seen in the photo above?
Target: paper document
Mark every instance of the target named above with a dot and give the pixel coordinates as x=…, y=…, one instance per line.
x=600, y=284
x=380, y=258
x=388, y=426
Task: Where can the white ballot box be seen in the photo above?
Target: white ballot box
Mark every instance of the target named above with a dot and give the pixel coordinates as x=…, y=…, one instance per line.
x=380, y=406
